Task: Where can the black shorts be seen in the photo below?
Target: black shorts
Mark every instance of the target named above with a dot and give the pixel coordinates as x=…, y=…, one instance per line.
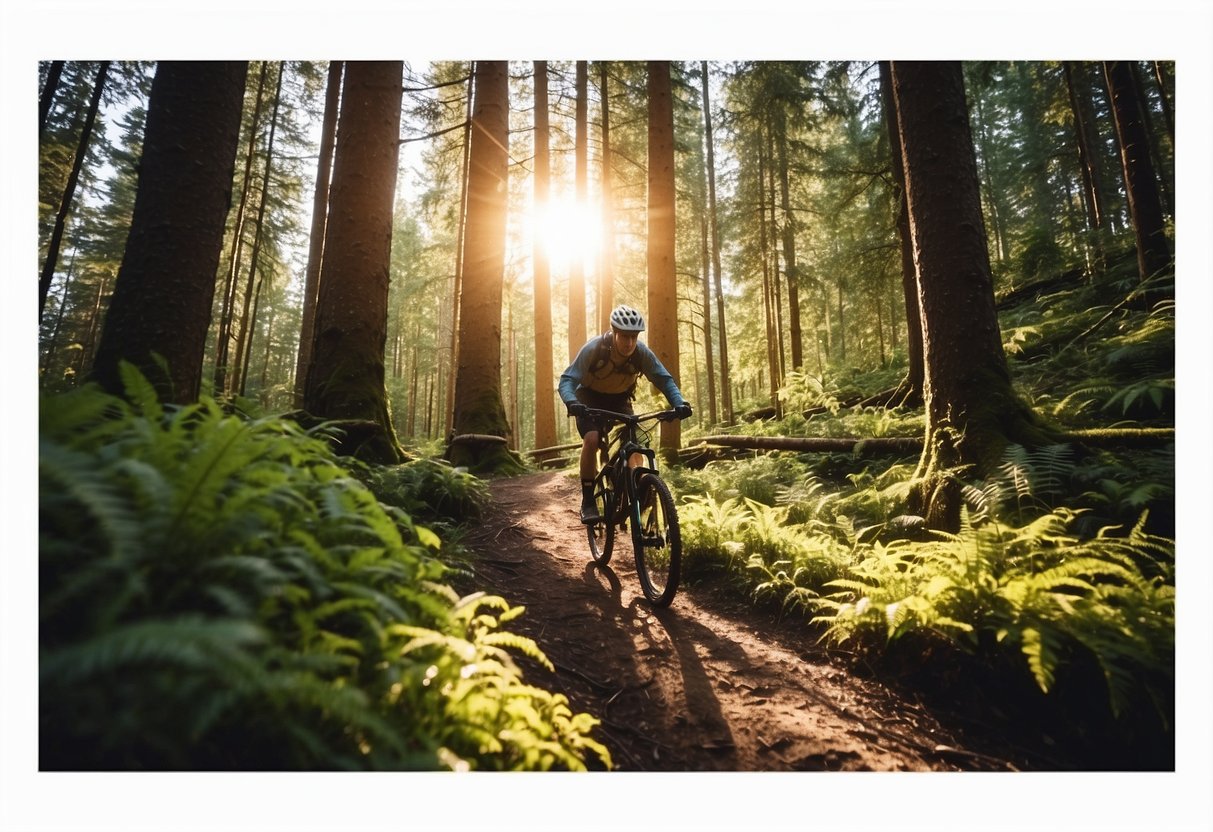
x=618, y=402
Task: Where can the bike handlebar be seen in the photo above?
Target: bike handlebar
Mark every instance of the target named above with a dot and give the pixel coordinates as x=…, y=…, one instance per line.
x=611, y=415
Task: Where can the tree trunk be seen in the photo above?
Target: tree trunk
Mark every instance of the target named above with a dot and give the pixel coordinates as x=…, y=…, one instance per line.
x=244, y=337
x=606, y=258
x=909, y=281
x=69, y=191
x=223, y=340
x=1152, y=141
x=776, y=286
x=460, y=259
x=1141, y=185
x=545, y=381
x=162, y=297
x=789, y=245
x=49, y=88
x=1089, y=156
x=992, y=193
x=577, y=298
x=663, y=277
x=706, y=282
x=320, y=207
x=478, y=406
x=768, y=295
x=1167, y=112
x=726, y=393
x=972, y=410
x=345, y=380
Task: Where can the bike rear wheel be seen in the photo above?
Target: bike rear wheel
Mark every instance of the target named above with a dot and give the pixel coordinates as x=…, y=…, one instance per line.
x=601, y=534
x=656, y=540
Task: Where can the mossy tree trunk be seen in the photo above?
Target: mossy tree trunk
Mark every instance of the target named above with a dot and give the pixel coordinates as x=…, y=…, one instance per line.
x=972, y=410
x=478, y=406
x=663, y=281
x=166, y=283
x=345, y=380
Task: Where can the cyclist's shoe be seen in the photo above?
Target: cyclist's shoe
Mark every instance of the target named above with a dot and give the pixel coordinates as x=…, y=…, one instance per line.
x=589, y=509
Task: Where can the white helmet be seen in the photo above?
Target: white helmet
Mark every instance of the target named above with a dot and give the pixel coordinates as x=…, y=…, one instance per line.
x=627, y=319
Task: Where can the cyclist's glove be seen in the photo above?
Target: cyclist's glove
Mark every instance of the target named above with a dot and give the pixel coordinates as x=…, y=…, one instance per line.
x=683, y=410
x=576, y=409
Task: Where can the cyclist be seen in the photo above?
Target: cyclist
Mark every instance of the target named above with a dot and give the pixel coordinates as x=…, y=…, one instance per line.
x=604, y=376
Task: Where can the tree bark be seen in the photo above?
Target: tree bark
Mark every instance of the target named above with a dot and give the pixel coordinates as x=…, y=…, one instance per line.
x=1167, y=111
x=231, y=280
x=909, y=277
x=49, y=88
x=320, y=207
x=706, y=283
x=768, y=295
x=345, y=380
x=577, y=295
x=788, y=235
x=971, y=408
x=162, y=297
x=244, y=337
x=1089, y=158
x=460, y=259
x=478, y=405
x=726, y=394
x=1141, y=185
x=663, y=277
x=545, y=416
x=69, y=191
x=606, y=258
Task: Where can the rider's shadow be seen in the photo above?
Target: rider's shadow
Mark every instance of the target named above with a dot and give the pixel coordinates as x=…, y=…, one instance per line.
x=592, y=574
x=702, y=704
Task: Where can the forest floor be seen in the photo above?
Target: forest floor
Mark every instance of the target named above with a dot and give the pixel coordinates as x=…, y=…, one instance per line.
x=711, y=683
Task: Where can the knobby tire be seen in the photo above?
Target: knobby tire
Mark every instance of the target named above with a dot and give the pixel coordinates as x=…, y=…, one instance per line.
x=601, y=534
x=657, y=541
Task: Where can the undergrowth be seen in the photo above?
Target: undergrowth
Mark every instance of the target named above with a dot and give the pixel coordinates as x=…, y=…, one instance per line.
x=218, y=592
x=1063, y=572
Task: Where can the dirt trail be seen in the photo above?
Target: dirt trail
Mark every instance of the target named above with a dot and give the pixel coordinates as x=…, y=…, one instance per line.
x=704, y=685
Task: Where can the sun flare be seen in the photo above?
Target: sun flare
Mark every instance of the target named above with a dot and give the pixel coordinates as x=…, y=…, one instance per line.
x=567, y=231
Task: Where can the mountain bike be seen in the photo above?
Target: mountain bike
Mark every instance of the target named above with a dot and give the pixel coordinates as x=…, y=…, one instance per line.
x=635, y=494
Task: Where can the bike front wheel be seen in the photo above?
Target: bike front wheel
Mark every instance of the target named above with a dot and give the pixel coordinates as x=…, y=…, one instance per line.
x=601, y=533
x=656, y=540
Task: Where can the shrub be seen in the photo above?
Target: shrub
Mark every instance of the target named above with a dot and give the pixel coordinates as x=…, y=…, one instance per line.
x=220, y=593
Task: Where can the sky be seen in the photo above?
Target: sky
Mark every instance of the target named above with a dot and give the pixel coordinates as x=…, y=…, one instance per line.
x=625, y=29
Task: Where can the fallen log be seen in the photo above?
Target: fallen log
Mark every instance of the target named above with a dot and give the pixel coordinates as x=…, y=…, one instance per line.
x=1092, y=438
x=1122, y=437
x=878, y=444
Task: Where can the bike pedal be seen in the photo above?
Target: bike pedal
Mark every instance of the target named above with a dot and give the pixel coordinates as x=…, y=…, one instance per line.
x=658, y=542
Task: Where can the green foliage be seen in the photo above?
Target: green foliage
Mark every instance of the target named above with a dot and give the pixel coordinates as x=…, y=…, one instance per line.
x=219, y=593
x=430, y=489
x=1038, y=590
x=1026, y=577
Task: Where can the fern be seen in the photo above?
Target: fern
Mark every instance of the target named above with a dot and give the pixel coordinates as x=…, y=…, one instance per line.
x=218, y=592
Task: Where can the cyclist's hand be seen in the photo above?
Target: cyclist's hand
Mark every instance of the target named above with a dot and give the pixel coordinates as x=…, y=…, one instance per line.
x=576, y=409
x=683, y=410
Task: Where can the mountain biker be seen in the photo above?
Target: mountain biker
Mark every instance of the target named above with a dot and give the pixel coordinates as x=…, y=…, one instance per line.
x=603, y=376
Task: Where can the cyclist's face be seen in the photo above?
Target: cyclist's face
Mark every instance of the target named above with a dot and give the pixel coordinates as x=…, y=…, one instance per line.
x=625, y=342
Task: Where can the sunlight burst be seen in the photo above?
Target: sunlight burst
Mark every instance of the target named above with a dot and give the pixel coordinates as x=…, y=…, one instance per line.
x=568, y=230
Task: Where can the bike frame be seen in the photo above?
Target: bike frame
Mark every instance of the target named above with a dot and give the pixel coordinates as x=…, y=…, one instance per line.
x=615, y=462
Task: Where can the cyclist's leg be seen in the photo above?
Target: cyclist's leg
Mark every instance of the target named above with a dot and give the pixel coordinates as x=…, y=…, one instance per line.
x=588, y=463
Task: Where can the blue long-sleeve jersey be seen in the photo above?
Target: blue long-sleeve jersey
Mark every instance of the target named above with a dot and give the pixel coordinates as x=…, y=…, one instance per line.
x=595, y=368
